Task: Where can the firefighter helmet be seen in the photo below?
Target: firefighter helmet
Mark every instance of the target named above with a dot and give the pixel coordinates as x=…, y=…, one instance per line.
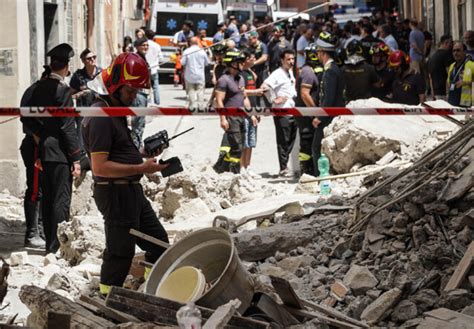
x=399, y=59
x=312, y=56
x=327, y=41
x=380, y=48
x=354, y=52
x=233, y=57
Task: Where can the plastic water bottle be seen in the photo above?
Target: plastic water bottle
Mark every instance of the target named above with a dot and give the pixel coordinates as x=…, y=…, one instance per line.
x=189, y=317
x=323, y=166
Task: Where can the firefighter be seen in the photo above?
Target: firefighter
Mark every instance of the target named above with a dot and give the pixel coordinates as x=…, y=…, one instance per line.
x=230, y=92
x=117, y=167
x=307, y=87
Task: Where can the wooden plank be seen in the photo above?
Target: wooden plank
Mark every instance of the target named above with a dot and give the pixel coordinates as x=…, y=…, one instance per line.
x=107, y=311
x=432, y=323
x=41, y=301
x=314, y=315
x=286, y=292
x=59, y=320
x=148, y=308
x=449, y=315
x=290, y=298
x=462, y=269
x=222, y=315
x=149, y=238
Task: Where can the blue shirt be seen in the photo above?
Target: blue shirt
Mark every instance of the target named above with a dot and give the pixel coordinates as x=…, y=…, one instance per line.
x=301, y=45
x=416, y=37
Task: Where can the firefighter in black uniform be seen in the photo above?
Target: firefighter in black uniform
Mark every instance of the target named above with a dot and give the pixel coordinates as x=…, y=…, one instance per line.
x=58, y=144
x=117, y=167
x=307, y=87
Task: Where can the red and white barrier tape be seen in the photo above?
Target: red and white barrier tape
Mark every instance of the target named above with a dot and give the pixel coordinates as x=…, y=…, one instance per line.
x=263, y=111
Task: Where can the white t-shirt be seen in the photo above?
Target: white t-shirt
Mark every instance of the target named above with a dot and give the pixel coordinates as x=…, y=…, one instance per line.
x=283, y=84
x=153, y=56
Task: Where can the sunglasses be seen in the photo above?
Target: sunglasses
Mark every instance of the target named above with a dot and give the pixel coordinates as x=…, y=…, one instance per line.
x=90, y=58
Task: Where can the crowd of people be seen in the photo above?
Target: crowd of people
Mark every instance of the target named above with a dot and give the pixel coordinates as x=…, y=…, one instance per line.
x=303, y=64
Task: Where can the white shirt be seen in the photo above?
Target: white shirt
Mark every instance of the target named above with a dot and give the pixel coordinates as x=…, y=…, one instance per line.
x=283, y=84
x=391, y=42
x=153, y=56
x=194, y=61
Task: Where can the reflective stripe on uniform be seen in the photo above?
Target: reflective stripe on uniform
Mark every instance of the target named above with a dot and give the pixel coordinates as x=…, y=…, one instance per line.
x=228, y=158
x=225, y=149
x=104, y=289
x=304, y=157
x=147, y=272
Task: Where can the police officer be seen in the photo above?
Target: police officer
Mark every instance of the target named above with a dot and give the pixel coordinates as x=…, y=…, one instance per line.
x=230, y=92
x=331, y=88
x=307, y=87
x=117, y=167
x=29, y=149
x=261, y=56
x=58, y=144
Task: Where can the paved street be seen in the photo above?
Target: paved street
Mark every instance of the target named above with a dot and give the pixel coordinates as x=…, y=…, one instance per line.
x=202, y=144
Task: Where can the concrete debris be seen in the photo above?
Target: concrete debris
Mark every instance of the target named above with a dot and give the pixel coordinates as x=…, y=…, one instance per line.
x=380, y=307
x=404, y=311
x=360, y=279
x=18, y=258
x=82, y=202
x=262, y=243
x=81, y=237
x=347, y=145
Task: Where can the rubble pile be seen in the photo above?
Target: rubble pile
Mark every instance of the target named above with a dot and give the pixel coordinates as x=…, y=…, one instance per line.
x=200, y=191
x=396, y=267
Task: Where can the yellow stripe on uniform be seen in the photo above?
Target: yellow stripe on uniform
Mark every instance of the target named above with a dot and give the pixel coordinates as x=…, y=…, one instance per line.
x=147, y=272
x=104, y=289
x=99, y=153
x=225, y=149
x=228, y=158
x=304, y=157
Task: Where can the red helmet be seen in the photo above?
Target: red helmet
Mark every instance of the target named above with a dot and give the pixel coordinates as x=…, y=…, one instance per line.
x=127, y=69
x=398, y=58
x=380, y=48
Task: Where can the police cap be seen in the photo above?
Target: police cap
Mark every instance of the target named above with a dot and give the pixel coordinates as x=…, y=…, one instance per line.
x=61, y=53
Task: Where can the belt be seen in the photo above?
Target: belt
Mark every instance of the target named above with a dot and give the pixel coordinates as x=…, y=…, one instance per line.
x=119, y=182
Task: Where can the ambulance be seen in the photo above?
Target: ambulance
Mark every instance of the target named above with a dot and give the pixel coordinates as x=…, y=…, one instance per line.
x=168, y=17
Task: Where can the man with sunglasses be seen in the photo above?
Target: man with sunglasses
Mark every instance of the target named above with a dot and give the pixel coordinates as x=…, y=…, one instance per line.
x=84, y=97
x=80, y=78
x=460, y=77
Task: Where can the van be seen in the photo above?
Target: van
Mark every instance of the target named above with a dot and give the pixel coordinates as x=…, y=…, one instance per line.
x=168, y=17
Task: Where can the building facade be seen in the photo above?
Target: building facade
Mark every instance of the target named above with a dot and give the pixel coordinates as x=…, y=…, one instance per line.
x=29, y=30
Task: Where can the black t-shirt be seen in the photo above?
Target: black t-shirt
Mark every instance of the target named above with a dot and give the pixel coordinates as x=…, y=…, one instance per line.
x=110, y=135
x=406, y=90
x=359, y=80
x=438, y=65
x=259, y=50
x=387, y=76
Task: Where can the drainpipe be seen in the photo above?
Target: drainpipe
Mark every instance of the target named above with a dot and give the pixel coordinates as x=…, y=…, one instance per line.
x=90, y=23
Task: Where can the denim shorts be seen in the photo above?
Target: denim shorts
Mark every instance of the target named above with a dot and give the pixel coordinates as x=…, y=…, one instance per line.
x=250, y=134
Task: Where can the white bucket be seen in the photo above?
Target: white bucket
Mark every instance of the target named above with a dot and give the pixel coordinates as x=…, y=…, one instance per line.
x=186, y=284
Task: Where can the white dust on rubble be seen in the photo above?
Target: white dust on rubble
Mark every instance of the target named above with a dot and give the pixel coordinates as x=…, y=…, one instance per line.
x=200, y=190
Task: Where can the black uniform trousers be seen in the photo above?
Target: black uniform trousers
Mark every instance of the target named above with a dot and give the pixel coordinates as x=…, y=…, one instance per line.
x=310, y=142
x=124, y=206
x=286, y=130
x=231, y=147
x=30, y=153
x=57, y=190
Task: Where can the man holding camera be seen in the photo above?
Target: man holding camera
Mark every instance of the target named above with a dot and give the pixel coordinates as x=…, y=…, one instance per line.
x=117, y=167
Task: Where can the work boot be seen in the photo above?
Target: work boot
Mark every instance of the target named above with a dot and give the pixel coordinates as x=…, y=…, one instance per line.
x=35, y=242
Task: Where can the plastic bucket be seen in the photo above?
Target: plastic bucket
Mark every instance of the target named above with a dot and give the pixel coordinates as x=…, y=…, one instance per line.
x=186, y=284
x=212, y=251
